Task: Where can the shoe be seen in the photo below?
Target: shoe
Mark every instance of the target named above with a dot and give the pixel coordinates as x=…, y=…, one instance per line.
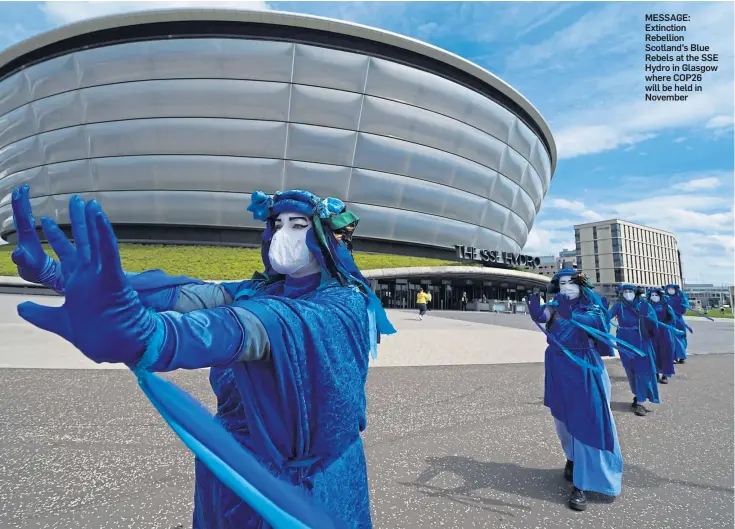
x=640, y=411
x=569, y=471
x=682, y=361
x=635, y=402
x=578, y=500
x=663, y=380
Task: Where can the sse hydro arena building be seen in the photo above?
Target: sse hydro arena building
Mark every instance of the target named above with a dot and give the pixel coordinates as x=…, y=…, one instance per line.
x=172, y=118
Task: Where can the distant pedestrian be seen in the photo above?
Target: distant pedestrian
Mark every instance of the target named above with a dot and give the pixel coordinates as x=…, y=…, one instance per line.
x=428, y=298
x=463, y=301
x=421, y=303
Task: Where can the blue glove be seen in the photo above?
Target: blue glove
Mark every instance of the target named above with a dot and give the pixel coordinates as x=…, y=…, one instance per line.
x=564, y=306
x=102, y=315
x=33, y=263
x=534, y=305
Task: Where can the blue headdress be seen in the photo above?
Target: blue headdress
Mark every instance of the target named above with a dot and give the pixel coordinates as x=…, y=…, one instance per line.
x=329, y=216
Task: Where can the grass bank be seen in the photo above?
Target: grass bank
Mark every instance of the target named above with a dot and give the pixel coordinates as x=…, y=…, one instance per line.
x=712, y=313
x=216, y=262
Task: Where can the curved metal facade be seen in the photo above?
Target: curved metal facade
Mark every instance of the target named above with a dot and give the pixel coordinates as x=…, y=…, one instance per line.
x=179, y=132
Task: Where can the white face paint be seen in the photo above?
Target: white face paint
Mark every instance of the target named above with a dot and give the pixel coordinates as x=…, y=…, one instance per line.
x=628, y=295
x=288, y=252
x=671, y=291
x=567, y=288
x=655, y=298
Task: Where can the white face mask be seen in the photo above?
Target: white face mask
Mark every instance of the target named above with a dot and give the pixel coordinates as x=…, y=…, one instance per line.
x=288, y=252
x=655, y=298
x=671, y=291
x=568, y=289
x=628, y=295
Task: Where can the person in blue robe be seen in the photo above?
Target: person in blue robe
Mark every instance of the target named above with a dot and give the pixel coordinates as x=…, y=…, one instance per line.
x=664, y=341
x=288, y=351
x=637, y=326
x=679, y=302
x=577, y=386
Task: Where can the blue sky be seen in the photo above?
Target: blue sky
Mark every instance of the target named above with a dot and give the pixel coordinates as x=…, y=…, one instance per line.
x=666, y=165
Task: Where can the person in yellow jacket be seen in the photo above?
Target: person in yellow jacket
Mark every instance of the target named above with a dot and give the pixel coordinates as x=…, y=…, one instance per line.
x=422, y=298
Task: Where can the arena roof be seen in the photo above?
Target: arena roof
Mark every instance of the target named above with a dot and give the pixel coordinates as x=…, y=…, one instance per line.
x=274, y=25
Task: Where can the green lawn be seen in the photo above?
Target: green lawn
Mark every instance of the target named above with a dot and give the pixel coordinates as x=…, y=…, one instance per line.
x=713, y=313
x=216, y=262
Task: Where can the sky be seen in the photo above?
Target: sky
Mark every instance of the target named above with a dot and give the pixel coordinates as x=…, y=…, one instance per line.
x=667, y=165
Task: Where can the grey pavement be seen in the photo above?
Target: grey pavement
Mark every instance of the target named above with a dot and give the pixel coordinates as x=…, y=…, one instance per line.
x=456, y=446
x=460, y=439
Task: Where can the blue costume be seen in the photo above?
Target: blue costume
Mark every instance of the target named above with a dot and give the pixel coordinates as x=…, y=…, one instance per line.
x=288, y=354
x=637, y=325
x=664, y=344
x=577, y=387
x=679, y=302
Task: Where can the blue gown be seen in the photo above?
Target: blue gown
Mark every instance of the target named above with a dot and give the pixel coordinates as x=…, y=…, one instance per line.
x=679, y=306
x=579, y=401
x=664, y=341
x=641, y=370
x=295, y=396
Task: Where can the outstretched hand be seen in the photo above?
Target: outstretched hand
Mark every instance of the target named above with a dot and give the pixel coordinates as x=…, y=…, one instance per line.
x=564, y=306
x=33, y=263
x=102, y=315
x=534, y=304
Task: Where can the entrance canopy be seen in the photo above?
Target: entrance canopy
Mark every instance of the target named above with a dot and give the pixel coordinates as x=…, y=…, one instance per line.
x=528, y=279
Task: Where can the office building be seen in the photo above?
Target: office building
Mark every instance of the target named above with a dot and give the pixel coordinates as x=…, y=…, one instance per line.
x=566, y=259
x=615, y=251
x=708, y=296
x=171, y=119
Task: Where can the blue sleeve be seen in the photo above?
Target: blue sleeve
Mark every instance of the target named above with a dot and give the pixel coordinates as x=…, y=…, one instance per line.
x=615, y=312
x=591, y=317
x=205, y=338
x=543, y=314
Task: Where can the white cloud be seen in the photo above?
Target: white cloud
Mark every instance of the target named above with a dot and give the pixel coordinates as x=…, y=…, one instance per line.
x=699, y=184
x=593, y=114
x=701, y=220
x=574, y=206
x=720, y=122
x=68, y=12
x=680, y=139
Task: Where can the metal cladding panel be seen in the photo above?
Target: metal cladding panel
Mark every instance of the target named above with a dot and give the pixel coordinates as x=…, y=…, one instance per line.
x=320, y=144
x=411, y=194
x=504, y=191
x=494, y=216
x=322, y=180
x=314, y=105
x=181, y=131
x=229, y=174
x=317, y=66
x=390, y=155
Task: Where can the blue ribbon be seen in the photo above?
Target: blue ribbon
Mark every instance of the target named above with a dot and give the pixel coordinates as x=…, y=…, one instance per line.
x=616, y=342
x=703, y=315
x=674, y=329
x=573, y=358
x=230, y=462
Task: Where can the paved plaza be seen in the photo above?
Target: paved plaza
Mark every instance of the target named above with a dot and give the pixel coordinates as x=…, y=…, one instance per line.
x=457, y=435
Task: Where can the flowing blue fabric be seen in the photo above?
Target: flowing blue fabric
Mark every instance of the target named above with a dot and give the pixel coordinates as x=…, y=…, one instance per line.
x=637, y=327
x=594, y=469
x=301, y=413
x=679, y=305
x=574, y=393
x=281, y=505
x=665, y=337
